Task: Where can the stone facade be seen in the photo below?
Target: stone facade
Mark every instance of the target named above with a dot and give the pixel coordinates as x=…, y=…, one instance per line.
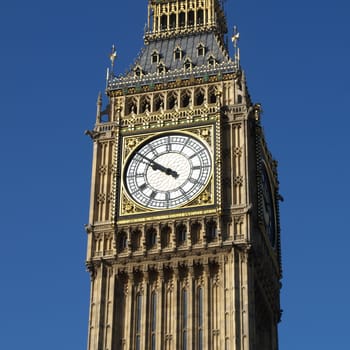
x=205, y=274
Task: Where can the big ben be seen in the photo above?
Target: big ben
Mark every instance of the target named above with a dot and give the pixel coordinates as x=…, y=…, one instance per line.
x=183, y=233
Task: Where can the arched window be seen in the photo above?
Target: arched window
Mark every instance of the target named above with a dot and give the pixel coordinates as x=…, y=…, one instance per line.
x=181, y=233
x=188, y=64
x=195, y=232
x=161, y=68
x=153, y=319
x=172, y=21
x=211, y=61
x=200, y=318
x=199, y=98
x=212, y=95
x=136, y=240
x=138, y=72
x=184, y=319
x=155, y=57
x=210, y=230
x=165, y=236
x=182, y=19
x=131, y=107
x=200, y=17
x=163, y=22
x=157, y=103
x=138, y=315
x=144, y=104
x=177, y=54
x=190, y=17
x=171, y=101
x=151, y=237
x=185, y=99
x=122, y=241
x=200, y=50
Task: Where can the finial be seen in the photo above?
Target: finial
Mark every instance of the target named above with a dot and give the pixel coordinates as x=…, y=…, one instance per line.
x=113, y=56
x=235, y=38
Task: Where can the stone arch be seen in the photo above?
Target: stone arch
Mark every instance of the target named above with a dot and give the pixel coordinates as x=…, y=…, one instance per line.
x=136, y=237
x=185, y=99
x=158, y=102
x=195, y=232
x=199, y=97
x=171, y=100
x=151, y=237
x=131, y=106
x=211, y=230
x=181, y=233
x=165, y=236
x=144, y=104
x=212, y=94
x=122, y=241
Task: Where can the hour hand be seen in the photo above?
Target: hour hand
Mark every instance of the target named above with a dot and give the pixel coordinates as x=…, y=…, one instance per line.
x=168, y=171
x=157, y=166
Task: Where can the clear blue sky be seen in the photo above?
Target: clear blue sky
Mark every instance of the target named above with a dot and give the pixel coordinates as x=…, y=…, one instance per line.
x=53, y=58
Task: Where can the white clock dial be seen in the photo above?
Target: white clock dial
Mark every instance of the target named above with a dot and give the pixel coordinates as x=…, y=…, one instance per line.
x=168, y=171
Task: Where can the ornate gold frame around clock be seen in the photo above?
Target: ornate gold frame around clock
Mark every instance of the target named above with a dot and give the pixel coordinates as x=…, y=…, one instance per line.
x=206, y=134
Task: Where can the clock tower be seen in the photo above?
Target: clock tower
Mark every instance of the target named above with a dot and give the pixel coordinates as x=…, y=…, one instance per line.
x=183, y=233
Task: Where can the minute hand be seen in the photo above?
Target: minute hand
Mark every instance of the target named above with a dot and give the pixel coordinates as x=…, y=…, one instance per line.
x=157, y=166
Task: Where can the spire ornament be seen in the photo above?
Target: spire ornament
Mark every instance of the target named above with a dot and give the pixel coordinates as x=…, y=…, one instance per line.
x=112, y=57
x=235, y=38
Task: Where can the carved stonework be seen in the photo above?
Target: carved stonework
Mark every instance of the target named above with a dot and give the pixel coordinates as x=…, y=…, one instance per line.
x=182, y=265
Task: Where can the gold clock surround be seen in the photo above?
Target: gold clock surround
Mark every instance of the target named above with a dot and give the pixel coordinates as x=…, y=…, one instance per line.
x=206, y=134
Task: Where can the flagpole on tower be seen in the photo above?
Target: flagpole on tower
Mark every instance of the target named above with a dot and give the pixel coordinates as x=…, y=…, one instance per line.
x=112, y=57
x=235, y=38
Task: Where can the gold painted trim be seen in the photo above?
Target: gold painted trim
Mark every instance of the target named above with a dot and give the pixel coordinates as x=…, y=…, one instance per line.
x=167, y=217
x=204, y=134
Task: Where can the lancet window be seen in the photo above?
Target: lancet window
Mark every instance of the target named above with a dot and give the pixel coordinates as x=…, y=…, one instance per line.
x=199, y=97
x=122, y=241
x=200, y=325
x=182, y=19
x=188, y=64
x=211, y=61
x=184, y=321
x=172, y=98
x=211, y=230
x=181, y=233
x=153, y=319
x=195, y=232
x=155, y=57
x=165, y=236
x=136, y=240
x=138, y=315
x=200, y=17
x=161, y=68
x=163, y=22
x=172, y=19
x=212, y=95
x=200, y=50
x=157, y=103
x=185, y=99
x=178, y=54
x=151, y=236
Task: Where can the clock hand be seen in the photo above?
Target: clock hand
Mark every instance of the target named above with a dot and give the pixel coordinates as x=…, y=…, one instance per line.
x=157, y=166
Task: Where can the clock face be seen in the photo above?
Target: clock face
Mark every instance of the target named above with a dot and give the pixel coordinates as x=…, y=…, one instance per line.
x=268, y=207
x=168, y=171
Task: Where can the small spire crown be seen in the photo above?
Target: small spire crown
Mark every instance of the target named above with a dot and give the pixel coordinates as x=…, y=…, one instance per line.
x=173, y=17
